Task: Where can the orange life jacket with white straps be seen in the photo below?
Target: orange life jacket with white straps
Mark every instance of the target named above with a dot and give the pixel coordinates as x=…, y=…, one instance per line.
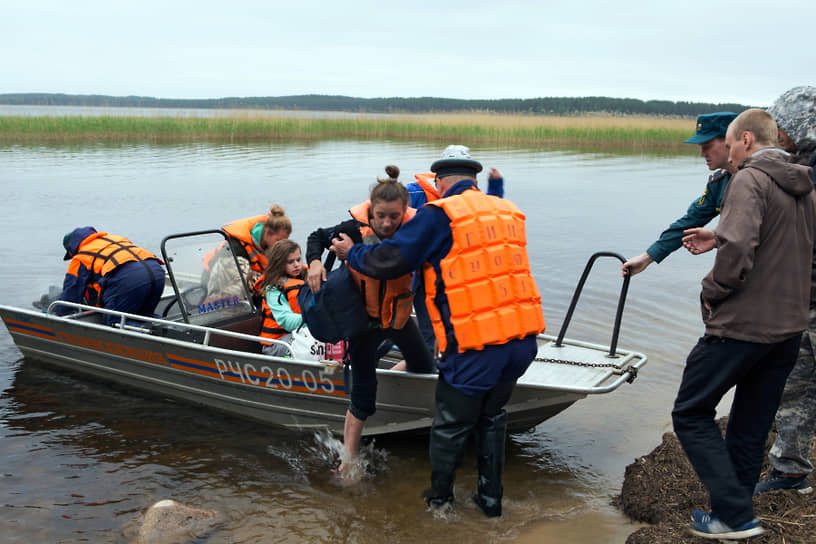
x=269, y=327
x=388, y=301
x=426, y=181
x=102, y=253
x=241, y=230
x=486, y=275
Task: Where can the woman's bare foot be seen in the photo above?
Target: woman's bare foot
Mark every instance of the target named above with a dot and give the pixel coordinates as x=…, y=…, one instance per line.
x=400, y=366
x=348, y=473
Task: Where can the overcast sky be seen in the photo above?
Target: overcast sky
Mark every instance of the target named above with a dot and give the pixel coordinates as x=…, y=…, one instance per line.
x=747, y=52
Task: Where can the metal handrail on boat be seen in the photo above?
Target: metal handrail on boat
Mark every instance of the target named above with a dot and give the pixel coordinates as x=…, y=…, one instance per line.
x=625, y=368
x=621, y=300
x=125, y=317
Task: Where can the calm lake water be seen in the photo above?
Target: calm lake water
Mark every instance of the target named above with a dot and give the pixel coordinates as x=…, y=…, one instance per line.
x=80, y=459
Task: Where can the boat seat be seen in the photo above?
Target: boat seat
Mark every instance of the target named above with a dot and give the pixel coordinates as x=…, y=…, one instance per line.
x=246, y=325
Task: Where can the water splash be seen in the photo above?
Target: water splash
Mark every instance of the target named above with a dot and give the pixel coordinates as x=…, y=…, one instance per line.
x=369, y=462
x=447, y=512
x=295, y=461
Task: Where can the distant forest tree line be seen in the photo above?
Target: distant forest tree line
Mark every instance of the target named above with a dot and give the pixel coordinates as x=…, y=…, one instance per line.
x=316, y=102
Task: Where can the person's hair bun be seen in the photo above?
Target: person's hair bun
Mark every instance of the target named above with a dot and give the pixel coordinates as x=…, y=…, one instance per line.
x=392, y=171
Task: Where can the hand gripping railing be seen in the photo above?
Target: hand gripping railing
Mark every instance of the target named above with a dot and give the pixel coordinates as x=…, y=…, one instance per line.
x=621, y=300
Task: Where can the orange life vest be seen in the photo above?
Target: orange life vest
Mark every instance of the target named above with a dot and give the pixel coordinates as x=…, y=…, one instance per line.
x=101, y=253
x=270, y=327
x=426, y=181
x=241, y=230
x=486, y=275
x=389, y=301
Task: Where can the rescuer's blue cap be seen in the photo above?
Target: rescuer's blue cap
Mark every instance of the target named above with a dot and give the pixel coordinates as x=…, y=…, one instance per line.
x=710, y=126
x=66, y=240
x=82, y=232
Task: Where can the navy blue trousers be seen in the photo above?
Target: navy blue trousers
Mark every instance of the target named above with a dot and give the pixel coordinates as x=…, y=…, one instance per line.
x=423, y=318
x=133, y=288
x=730, y=467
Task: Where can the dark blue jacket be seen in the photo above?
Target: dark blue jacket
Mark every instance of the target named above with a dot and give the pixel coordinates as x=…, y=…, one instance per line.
x=74, y=285
x=495, y=187
x=427, y=238
x=699, y=213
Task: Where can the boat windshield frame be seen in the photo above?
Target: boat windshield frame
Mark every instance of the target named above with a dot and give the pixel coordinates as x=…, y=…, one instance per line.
x=191, y=285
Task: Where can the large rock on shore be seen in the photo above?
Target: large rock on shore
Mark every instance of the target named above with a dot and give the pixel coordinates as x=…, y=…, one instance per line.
x=170, y=522
x=662, y=489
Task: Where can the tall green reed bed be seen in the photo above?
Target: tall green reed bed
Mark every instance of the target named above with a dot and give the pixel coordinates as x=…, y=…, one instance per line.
x=594, y=132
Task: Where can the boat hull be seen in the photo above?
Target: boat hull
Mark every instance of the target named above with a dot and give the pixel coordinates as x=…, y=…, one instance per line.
x=168, y=360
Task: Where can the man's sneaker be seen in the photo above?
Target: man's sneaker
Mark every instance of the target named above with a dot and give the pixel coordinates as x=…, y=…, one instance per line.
x=777, y=480
x=706, y=525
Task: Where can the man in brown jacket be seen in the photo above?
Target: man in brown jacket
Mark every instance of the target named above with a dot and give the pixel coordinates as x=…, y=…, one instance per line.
x=755, y=306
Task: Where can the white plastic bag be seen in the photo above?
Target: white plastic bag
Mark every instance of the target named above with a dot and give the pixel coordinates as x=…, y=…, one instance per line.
x=304, y=345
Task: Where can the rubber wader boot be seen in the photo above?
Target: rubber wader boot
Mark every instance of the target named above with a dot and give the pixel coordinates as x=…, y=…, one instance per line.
x=438, y=496
x=490, y=435
x=447, y=442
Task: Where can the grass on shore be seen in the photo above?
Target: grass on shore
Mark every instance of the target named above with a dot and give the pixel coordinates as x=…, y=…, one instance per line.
x=600, y=131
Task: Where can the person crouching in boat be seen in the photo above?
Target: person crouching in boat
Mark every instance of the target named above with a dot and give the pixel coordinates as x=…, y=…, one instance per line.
x=249, y=239
x=110, y=271
x=388, y=303
x=280, y=286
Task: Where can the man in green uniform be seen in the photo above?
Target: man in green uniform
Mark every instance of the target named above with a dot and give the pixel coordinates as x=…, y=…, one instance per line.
x=710, y=135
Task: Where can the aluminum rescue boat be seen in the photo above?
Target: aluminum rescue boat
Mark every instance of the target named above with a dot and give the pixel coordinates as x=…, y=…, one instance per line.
x=205, y=349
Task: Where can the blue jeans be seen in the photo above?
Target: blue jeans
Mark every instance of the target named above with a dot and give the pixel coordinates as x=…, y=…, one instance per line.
x=364, y=355
x=730, y=467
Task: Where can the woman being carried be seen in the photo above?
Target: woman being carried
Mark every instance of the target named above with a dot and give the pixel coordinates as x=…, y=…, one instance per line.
x=280, y=285
x=388, y=303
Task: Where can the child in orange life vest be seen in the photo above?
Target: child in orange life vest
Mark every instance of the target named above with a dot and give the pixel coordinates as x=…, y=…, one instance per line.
x=280, y=285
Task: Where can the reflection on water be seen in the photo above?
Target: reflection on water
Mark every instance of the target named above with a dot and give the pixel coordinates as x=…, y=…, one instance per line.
x=80, y=458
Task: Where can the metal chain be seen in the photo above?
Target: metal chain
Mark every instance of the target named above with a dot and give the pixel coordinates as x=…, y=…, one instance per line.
x=618, y=370
x=576, y=363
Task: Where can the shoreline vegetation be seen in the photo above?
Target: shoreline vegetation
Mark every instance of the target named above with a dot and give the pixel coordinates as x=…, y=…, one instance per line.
x=601, y=132
x=662, y=489
x=546, y=105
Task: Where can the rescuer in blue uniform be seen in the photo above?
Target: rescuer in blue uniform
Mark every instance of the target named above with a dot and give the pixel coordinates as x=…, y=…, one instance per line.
x=710, y=135
x=480, y=360
x=421, y=192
